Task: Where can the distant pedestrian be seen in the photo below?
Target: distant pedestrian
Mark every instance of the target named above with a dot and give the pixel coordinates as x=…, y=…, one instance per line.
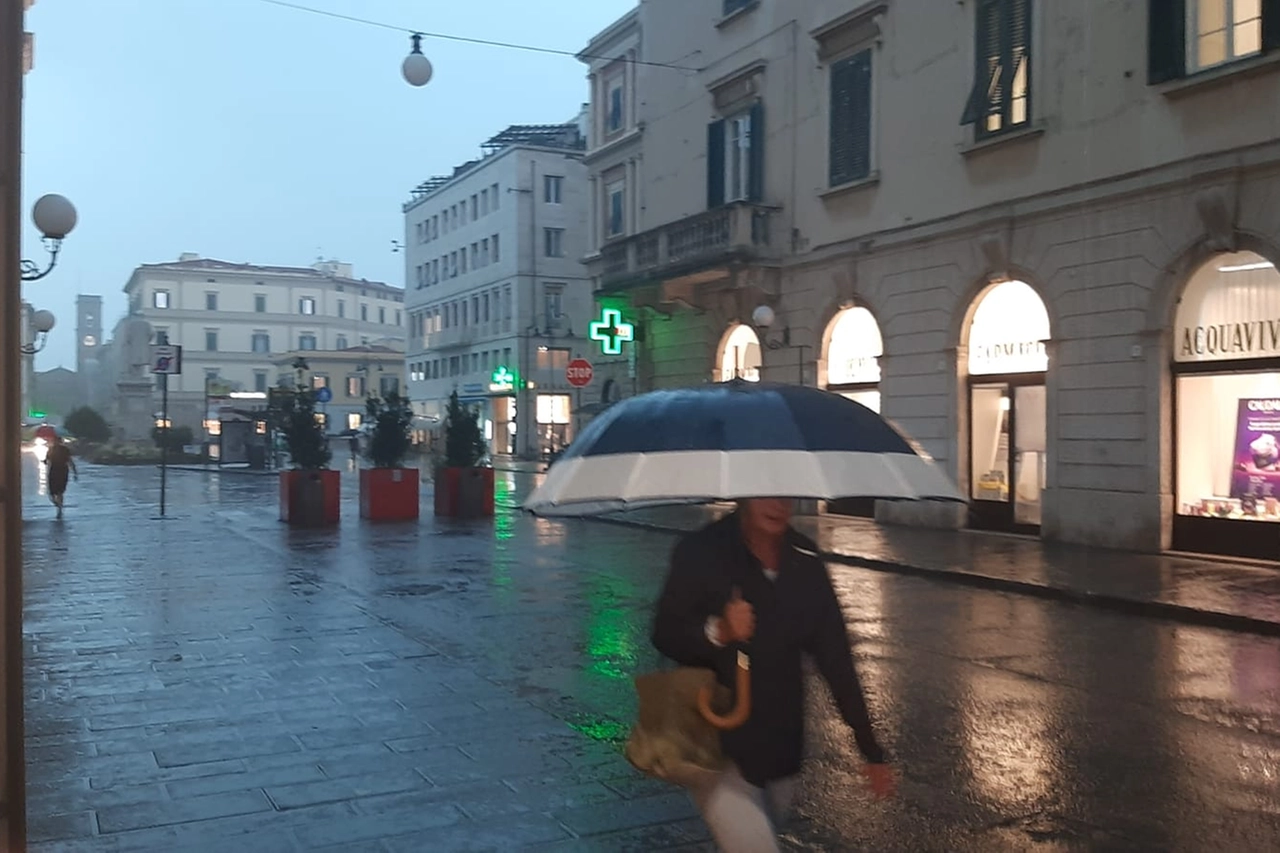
x=355, y=448
x=60, y=466
x=752, y=579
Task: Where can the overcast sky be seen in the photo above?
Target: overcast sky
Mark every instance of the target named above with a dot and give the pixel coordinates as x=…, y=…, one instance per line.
x=248, y=132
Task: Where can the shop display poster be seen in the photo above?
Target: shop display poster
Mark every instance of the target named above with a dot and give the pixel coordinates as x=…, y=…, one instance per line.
x=1255, y=470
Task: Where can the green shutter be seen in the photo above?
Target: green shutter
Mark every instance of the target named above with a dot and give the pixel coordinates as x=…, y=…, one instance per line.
x=715, y=164
x=755, y=177
x=1167, y=40
x=1270, y=25
x=850, y=139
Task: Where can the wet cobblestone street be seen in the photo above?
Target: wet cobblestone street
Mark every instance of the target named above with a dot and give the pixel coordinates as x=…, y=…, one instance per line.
x=216, y=681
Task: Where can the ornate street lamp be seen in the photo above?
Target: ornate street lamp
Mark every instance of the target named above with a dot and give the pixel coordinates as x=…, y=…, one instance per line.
x=416, y=67
x=763, y=318
x=41, y=323
x=56, y=218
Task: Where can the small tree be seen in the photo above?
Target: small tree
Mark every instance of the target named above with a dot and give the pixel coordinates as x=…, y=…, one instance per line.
x=392, y=420
x=86, y=424
x=464, y=444
x=295, y=417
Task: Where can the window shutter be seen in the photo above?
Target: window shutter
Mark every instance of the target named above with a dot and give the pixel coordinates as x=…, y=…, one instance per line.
x=1167, y=40
x=850, y=144
x=755, y=177
x=988, y=76
x=715, y=164
x=1270, y=25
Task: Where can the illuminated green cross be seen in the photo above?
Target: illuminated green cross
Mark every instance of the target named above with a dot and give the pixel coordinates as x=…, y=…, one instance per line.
x=502, y=378
x=611, y=331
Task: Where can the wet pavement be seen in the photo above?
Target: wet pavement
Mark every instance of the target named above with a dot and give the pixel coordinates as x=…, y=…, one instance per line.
x=215, y=681
x=1232, y=594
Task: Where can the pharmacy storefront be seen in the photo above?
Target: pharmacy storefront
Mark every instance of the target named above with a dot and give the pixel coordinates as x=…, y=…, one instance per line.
x=1226, y=391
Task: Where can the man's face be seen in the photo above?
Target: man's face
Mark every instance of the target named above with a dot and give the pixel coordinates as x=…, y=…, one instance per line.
x=770, y=516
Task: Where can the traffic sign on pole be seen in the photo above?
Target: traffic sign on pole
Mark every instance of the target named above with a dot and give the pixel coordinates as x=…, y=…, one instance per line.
x=579, y=373
x=166, y=360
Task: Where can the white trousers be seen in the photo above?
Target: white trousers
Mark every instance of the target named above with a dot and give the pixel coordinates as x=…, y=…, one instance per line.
x=743, y=818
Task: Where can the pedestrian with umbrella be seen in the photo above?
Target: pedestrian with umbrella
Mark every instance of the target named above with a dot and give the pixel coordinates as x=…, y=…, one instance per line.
x=747, y=596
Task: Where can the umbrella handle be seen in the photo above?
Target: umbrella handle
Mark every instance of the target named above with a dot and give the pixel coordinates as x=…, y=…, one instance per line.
x=741, y=711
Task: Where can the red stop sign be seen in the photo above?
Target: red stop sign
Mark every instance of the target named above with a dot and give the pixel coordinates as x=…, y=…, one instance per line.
x=579, y=373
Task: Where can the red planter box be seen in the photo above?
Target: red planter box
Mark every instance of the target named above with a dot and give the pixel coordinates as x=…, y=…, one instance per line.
x=309, y=498
x=465, y=492
x=389, y=494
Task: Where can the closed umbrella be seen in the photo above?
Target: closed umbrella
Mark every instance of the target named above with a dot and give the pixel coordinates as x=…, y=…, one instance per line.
x=730, y=441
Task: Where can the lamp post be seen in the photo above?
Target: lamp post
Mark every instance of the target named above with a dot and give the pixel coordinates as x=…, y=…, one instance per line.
x=56, y=218
x=41, y=323
x=763, y=319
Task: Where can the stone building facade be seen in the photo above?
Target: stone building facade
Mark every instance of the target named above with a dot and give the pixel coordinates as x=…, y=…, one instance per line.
x=1039, y=237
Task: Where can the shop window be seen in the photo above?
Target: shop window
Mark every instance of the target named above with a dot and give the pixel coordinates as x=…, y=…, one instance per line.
x=1000, y=100
x=740, y=357
x=1227, y=366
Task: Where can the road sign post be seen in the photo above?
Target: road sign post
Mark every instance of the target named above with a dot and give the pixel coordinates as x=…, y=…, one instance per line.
x=166, y=361
x=579, y=373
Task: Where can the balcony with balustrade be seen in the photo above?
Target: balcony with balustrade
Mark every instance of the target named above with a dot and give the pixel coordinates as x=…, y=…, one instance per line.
x=701, y=248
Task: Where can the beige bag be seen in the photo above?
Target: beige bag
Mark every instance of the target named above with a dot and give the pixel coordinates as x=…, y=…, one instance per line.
x=673, y=741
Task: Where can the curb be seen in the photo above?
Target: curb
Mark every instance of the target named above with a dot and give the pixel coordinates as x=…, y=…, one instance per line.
x=1165, y=611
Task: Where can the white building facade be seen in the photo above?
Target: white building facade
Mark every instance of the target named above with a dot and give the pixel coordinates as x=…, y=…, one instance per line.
x=497, y=297
x=1039, y=236
x=234, y=320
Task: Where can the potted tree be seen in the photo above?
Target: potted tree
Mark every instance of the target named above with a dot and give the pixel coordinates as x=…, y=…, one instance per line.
x=388, y=490
x=464, y=488
x=309, y=491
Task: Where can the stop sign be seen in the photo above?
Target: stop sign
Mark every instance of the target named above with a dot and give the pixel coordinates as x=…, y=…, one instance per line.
x=579, y=373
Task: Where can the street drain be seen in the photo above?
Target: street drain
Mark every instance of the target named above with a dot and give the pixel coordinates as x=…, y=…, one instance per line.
x=414, y=590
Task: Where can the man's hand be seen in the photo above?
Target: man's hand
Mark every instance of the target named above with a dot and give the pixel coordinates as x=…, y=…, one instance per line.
x=739, y=621
x=881, y=779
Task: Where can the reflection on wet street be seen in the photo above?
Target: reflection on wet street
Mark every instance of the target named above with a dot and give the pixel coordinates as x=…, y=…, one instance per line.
x=219, y=673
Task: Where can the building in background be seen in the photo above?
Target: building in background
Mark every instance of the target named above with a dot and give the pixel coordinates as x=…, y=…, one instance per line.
x=89, y=341
x=497, y=296
x=352, y=375
x=57, y=392
x=234, y=320
x=1061, y=294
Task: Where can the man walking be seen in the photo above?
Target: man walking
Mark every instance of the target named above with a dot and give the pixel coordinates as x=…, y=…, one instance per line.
x=751, y=578
x=60, y=466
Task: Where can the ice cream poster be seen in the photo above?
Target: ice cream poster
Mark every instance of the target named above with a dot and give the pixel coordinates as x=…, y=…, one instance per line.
x=1255, y=471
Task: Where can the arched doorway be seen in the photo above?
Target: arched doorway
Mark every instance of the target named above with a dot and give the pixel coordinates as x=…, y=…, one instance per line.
x=853, y=350
x=1008, y=434
x=739, y=355
x=1226, y=371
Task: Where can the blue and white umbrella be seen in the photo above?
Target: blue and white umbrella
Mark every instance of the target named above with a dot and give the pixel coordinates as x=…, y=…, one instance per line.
x=736, y=440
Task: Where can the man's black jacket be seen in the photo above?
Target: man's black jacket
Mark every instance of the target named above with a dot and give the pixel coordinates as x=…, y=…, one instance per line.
x=796, y=613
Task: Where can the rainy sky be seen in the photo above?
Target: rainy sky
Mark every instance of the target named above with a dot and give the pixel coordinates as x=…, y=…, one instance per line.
x=249, y=132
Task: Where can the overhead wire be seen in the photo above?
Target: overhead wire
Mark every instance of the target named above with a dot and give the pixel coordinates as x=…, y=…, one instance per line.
x=286, y=4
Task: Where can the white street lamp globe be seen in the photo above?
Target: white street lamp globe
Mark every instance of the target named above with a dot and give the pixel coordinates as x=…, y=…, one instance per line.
x=42, y=321
x=416, y=69
x=762, y=317
x=54, y=216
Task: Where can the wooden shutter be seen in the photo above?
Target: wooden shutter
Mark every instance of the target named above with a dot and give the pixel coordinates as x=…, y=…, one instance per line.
x=715, y=164
x=1167, y=40
x=1270, y=25
x=988, y=75
x=1017, y=47
x=850, y=142
x=755, y=165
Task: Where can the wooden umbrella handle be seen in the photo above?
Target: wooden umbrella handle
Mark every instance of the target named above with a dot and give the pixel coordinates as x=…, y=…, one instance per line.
x=741, y=711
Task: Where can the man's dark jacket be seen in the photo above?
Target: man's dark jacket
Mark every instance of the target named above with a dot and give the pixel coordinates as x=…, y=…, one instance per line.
x=796, y=613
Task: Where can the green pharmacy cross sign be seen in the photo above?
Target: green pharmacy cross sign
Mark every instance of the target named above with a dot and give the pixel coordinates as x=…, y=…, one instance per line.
x=502, y=379
x=612, y=331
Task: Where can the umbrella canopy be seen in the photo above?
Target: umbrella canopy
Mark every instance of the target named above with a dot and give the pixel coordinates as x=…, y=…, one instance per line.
x=47, y=432
x=736, y=440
